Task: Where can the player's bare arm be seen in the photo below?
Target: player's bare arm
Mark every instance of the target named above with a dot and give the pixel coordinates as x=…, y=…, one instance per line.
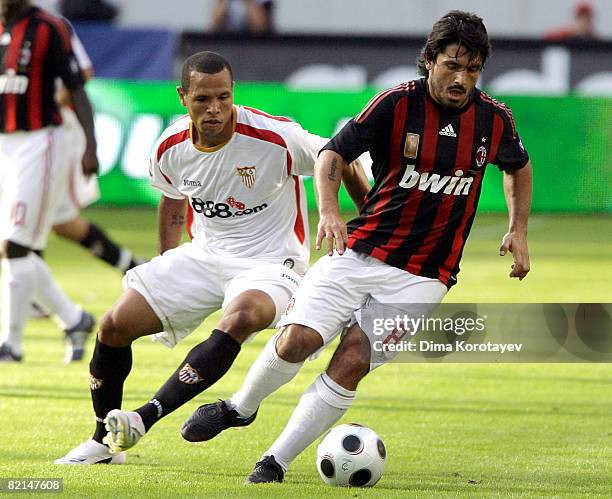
x=329, y=170
x=62, y=95
x=171, y=218
x=517, y=189
x=356, y=182
x=82, y=108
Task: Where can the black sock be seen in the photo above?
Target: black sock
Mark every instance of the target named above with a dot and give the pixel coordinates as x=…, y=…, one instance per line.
x=99, y=245
x=40, y=253
x=205, y=364
x=109, y=367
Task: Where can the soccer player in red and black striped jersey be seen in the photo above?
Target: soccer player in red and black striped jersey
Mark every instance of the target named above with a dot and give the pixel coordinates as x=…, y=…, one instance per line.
x=430, y=141
x=35, y=49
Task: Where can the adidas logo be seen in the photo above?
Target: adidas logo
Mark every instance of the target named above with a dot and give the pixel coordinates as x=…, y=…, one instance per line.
x=448, y=131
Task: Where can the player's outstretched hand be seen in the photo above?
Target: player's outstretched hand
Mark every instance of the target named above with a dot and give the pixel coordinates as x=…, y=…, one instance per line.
x=516, y=243
x=333, y=229
x=90, y=161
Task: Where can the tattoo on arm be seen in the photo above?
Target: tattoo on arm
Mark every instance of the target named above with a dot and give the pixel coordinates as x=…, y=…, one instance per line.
x=332, y=170
x=177, y=220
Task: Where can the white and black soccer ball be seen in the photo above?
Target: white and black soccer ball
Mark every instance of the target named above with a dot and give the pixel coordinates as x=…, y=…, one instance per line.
x=351, y=455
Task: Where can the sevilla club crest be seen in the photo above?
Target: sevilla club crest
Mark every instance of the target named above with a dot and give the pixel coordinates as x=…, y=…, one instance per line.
x=189, y=375
x=247, y=174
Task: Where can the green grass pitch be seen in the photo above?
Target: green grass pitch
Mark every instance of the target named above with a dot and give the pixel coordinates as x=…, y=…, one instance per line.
x=456, y=430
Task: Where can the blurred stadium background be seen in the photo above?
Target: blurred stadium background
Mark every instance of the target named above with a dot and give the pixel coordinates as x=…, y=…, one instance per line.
x=327, y=58
x=464, y=430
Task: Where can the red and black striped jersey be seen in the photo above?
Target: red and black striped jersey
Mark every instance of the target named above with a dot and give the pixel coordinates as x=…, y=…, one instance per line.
x=428, y=166
x=35, y=49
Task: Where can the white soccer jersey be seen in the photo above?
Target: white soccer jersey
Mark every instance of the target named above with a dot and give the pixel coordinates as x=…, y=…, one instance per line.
x=246, y=195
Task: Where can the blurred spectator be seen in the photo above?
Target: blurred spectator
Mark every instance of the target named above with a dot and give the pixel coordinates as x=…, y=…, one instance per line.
x=48, y=5
x=243, y=16
x=90, y=10
x=583, y=27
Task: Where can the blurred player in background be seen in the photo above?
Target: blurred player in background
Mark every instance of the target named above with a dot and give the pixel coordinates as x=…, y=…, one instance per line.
x=82, y=190
x=90, y=10
x=35, y=49
x=430, y=140
x=239, y=170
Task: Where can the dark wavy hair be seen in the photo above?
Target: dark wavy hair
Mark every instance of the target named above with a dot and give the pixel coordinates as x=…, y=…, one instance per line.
x=203, y=62
x=463, y=28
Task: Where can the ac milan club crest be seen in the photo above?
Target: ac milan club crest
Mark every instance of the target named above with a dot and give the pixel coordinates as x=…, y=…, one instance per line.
x=247, y=174
x=26, y=55
x=481, y=156
x=189, y=375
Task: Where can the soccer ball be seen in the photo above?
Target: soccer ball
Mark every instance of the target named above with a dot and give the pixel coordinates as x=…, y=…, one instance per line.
x=351, y=455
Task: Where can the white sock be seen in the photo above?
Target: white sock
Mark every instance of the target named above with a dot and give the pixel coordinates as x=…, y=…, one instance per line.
x=266, y=375
x=17, y=285
x=52, y=297
x=322, y=404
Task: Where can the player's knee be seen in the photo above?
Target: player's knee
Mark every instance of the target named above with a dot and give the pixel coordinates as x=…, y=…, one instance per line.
x=351, y=368
x=351, y=362
x=296, y=343
x=113, y=331
x=241, y=323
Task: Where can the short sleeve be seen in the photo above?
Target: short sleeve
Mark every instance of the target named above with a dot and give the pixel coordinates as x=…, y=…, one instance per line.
x=160, y=181
x=303, y=148
x=368, y=131
x=63, y=58
x=511, y=154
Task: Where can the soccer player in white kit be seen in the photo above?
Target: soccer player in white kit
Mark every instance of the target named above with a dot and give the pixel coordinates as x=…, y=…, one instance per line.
x=238, y=168
x=36, y=49
x=79, y=191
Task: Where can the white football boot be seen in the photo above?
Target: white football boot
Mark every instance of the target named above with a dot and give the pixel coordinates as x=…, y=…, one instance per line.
x=91, y=452
x=125, y=429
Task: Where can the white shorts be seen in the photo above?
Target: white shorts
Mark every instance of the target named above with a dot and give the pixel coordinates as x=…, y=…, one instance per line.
x=79, y=190
x=337, y=289
x=186, y=284
x=32, y=172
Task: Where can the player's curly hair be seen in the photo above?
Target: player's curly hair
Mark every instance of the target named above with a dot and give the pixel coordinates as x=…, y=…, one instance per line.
x=203, y=62
x=463, y=28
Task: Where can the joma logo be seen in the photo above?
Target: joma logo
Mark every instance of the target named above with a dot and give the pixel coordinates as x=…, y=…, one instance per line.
x=433, y=182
